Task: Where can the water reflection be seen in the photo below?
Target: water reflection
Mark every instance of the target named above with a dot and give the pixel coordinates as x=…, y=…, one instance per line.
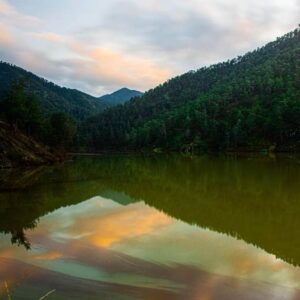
x=120, y=245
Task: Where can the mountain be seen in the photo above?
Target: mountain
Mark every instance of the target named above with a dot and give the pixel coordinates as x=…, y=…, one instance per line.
x=251, y=102
x=18, y=149
x=53, y=98
x=121, y=96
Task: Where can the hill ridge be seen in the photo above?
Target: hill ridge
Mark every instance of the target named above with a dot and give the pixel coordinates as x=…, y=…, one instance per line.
x=52, y=97
x=236, y=104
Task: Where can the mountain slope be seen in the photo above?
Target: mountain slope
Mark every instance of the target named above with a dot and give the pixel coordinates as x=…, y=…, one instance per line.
x=53, y=98
x=17, y=149
x=121, y=96
x=251, y=102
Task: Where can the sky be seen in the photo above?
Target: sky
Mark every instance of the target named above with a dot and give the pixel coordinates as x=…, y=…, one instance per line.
x=101, y=46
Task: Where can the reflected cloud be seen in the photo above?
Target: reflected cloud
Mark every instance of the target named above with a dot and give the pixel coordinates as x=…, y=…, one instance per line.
x=49, y=256
x=105, y=236
x=138, y=247
x=107, y=225
x=117, y=227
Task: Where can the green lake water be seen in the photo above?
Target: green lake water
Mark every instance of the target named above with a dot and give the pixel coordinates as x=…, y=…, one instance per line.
x=152, y=227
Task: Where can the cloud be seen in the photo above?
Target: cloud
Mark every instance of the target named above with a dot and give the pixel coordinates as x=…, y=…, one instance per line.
x=48, y=36
x=117, y=224
x=194, y=33
x=134, y=43
x=5, y=8
x=12, y=16
x=71, y=62
x=90, y=68
x=6, y=38
x=138, y=239
x=110, y=67
x=53, y=255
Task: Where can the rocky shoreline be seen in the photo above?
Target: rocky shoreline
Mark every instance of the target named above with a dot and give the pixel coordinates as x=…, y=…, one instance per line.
x=20, y=150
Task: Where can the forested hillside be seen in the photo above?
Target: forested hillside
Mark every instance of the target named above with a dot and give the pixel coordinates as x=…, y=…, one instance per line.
x=22, y=112
x=52, y=98
x=251, y=102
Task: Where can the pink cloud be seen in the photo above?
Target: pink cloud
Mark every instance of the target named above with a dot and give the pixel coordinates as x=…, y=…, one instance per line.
x=14, y=17
x=5, y=8
x=6, y=37
x=48, y=36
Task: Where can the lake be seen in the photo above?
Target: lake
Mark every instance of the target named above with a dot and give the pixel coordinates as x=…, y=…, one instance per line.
x=152, y=227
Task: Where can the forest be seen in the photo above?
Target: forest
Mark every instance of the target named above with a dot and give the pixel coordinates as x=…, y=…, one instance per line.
x=51, y=97
x=23, y=110
x=248, y=103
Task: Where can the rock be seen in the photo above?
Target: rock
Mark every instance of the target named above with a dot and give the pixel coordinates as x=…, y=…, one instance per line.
x=18, y=149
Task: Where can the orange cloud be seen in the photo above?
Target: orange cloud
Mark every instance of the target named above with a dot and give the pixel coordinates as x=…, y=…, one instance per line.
x=125, y=68
x=111, y=66
x=102, y=66
x=48, y=256
x=119, y=225
x=13, y=16
x=48, y=36
x=6, y=37
x=127, y=224
x=5, y=8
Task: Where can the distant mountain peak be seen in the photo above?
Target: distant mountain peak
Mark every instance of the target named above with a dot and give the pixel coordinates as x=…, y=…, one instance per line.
x=123, y=90
x=120, y=96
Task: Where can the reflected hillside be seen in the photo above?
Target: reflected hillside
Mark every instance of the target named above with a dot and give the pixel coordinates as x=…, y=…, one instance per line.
x=254, y=199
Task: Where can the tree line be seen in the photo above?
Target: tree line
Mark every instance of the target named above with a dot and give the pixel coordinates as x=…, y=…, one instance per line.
x=251, y=102
x=23, y=111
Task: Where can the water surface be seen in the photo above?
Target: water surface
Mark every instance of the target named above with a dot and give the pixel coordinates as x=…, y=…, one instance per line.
x=152, y=227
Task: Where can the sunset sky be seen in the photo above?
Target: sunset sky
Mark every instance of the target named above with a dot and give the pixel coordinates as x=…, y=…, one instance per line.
x=100, y=46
